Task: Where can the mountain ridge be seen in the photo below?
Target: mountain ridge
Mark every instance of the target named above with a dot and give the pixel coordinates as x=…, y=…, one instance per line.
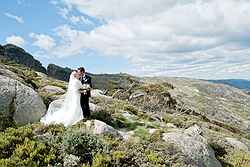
x=243, y=84
x=17, y=54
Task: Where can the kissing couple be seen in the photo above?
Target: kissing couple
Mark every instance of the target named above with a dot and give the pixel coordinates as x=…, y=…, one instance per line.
x=75, y=105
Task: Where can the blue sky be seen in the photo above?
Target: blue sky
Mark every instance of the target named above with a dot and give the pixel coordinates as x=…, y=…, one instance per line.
x=184, y=38
x=42, y=17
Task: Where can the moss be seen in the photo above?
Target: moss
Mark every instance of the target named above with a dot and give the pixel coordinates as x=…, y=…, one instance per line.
x=101, y=160
x=153, y=157
x=57, y=83
x=129, y=124
x=143, y=133
x=29, y=76
x=104, y=116
x=156, y=136
x=47, y=97
x=236, y=158
x=181, y=121
x=6, y=121
x=53, y=129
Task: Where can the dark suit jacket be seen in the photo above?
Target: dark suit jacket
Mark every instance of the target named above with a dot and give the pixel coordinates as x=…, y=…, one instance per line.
x=86, y=80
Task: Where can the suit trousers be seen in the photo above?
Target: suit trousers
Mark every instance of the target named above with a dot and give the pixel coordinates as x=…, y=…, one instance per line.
x=85, y=105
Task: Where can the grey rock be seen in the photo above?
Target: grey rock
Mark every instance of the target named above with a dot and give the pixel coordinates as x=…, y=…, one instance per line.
x=152, y=130
x=170, y=125
x=19, y=101
x=52, y=89
x=98, y=93
x=127, y=135
x=136, y=94
x=237, y=144
x=197, y=151
x=6, y=72
x=194, y=130
x=99, y=127
x=71, y=160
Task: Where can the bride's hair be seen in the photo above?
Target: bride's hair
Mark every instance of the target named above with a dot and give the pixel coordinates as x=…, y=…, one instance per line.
x=82, y=69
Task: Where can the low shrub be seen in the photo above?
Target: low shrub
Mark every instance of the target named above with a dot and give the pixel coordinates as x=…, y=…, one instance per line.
x=236, y=158
x=82, y=144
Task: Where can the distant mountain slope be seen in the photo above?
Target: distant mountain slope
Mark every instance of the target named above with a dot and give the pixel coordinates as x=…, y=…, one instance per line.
x=218, y=102
x=58, y=72
x=238, y=83
x=18, y=55
x=100, y=81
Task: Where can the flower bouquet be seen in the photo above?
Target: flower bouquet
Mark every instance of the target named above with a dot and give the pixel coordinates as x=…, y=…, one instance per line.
x=85, y=88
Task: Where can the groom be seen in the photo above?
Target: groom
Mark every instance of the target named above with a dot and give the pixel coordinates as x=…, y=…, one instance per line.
x=85, y=79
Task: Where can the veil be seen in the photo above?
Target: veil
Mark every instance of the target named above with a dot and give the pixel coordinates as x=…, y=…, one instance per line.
x=70, y=111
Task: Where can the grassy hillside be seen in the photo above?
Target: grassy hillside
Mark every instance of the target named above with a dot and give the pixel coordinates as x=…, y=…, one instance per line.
x=144, y=110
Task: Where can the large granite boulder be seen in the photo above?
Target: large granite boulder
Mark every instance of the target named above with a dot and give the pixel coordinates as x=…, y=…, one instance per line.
x=6, y=72
x=194, y=146
x=19, y=102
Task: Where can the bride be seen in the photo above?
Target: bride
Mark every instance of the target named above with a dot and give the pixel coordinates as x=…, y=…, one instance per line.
x=70, y=111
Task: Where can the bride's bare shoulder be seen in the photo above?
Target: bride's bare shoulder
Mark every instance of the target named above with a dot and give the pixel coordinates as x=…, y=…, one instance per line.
x=73, y=72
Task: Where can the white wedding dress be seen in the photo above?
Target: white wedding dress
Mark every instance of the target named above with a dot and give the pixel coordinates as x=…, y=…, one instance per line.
x=70, y=111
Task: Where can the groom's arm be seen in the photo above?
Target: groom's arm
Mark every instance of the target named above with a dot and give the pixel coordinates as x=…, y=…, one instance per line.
x=90, y=83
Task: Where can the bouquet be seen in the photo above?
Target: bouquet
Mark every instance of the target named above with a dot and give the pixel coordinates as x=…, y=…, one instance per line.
x=84, y=88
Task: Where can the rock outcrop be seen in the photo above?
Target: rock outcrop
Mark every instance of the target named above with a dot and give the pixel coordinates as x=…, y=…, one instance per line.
x=194, y=146
x=19, y=102
x=58, y=72
x=52, y=89
x=18, y=55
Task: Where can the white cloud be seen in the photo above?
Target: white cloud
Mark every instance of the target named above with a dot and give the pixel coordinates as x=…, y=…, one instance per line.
x=74, y=19
x=192, y=38
x=16, y=40
x=42, y=41
x=19, y=19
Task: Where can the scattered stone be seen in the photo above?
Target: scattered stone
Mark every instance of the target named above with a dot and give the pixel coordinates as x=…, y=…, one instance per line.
x=151, y=131
x=170, y=125
x=127, y=135
x=136, y=94
x=194, y=130
x=71, y=160
x=98, y=93
x=52, y=89
x=99, y=127
x=237, y=144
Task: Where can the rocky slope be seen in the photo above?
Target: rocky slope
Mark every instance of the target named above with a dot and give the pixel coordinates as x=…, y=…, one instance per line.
x=58, y=72
x=20, y=56
x=135, y=122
